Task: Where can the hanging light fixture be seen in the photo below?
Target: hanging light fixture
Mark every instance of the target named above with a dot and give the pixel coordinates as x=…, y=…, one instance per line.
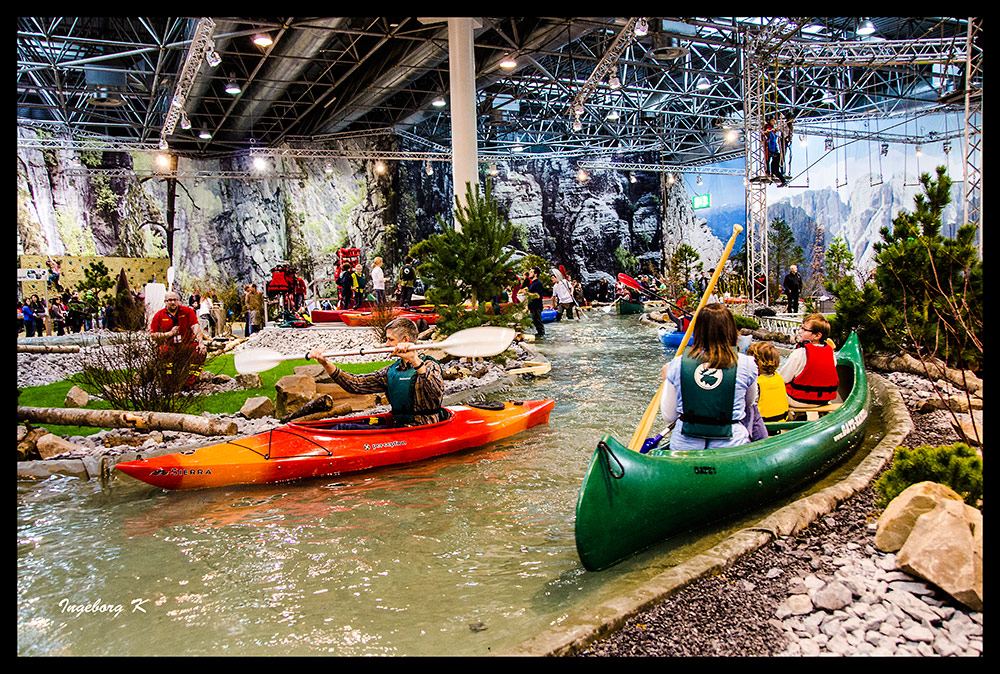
x=212, y=56
x=493, y=169
x=263, y=40
x=185, y=122
x=582, y=176
x=379, y=167
x=613, y=115
x=866, y=28
x=702, y=83
x=428, y=169
x=641, y=27
x=439, y=102
x=204, y=134
x=232, y=88
x=260, y=163
x=577, y=124
x=613, y=82
x=508, y=62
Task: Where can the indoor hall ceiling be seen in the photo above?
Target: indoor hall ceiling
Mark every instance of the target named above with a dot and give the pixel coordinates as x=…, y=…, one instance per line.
x=115, y=78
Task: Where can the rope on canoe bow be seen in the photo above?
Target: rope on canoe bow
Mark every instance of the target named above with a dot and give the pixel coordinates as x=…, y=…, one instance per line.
x=608, y=455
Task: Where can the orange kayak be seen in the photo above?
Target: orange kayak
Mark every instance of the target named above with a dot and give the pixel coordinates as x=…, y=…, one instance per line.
x=314, y=449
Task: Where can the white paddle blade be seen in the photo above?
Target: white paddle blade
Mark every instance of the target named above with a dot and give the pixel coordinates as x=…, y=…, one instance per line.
x=481, y=342
x=252, y=361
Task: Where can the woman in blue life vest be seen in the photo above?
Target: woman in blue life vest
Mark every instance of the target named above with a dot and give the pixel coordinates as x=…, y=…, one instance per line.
x=413, y=384
x=709, y=388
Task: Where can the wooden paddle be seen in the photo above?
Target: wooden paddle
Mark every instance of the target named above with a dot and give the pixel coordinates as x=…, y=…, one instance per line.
x=486, y=340
x=654, y=405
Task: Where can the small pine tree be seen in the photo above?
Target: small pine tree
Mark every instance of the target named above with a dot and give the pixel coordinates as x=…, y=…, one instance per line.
x=471, y=264
x=956, y=466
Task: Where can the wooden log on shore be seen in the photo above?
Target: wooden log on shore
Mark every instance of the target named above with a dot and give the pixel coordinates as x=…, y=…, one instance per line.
x=164, y=421
x=47, y=348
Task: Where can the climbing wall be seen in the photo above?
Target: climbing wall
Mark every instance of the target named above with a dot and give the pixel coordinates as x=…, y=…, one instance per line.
x=138, y=270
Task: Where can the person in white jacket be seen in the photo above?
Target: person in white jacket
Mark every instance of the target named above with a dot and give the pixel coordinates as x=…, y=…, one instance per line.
x=562, y=291
x=378, y=280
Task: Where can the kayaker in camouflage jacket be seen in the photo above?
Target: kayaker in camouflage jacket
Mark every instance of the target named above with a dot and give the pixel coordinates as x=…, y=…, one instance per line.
x=413, y=383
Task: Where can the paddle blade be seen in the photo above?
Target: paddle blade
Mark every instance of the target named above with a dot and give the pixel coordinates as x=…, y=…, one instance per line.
x=251, y=361
x=486, y=340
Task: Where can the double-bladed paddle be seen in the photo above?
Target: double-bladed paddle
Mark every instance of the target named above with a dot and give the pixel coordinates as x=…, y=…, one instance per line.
x=632, y=283
x=481, y=342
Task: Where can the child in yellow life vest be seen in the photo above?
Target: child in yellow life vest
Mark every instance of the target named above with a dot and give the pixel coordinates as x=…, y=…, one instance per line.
x=768, y=402
x=772, y=399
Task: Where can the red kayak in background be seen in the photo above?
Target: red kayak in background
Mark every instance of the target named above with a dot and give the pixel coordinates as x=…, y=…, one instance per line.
x=315, y=449
x=361, y=317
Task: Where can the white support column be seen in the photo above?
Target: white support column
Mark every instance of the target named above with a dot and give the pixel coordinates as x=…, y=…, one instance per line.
x=462, y=67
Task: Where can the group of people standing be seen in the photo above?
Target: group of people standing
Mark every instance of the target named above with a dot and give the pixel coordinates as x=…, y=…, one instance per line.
x=353, y=284
x=68, y=312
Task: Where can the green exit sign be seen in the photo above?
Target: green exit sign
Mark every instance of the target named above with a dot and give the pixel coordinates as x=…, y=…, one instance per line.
x=701, y=201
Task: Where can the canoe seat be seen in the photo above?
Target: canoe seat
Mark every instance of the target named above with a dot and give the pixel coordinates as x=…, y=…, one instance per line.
x=812, y=412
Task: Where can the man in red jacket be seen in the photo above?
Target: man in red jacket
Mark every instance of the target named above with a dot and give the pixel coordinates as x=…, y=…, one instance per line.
x=176, y=329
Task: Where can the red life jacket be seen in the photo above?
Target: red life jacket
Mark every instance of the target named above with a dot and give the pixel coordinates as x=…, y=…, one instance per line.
x=817, y=383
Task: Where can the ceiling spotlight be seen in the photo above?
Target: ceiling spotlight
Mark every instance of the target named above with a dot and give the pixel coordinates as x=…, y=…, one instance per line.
x=163, y=160
x=185, y=122
x=379, y=166
x=631, y=177
x=582, y=176
x=439, y=102
x=828, y=97
x=518, y=148
x=828, y=144
x=946, y=146
x=577, y=124
x=699, y=180
x=212, y=56
x=508, y=62
x=204, y=134
x=232, y=87
x=428, y=169
x=641, y=27
x=670, y=178
x=866, y=28
x=884, y=149
x=614, y=82
x=263, y=40
x=613, y=115
x=732, y=135
x=703, y=83
x=919, y=150
x=328, y=167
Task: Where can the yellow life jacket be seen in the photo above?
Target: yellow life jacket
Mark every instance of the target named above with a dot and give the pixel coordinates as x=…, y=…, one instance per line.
x=773, y=400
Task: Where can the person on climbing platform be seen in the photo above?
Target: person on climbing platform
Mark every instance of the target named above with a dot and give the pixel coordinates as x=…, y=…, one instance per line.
x=413, y=384
x=709, y=389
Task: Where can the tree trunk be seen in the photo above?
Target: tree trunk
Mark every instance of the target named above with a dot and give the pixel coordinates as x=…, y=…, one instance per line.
x=164, y=421
x=46, y=348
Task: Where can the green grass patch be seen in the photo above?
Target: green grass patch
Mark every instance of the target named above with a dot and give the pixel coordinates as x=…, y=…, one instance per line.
x=226, y=402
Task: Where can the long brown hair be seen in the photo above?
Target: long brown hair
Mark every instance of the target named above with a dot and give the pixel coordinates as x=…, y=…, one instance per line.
x=714, y=336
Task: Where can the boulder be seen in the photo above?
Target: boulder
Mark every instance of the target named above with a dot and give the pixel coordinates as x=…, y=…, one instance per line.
x=76, y=397
x=257, y=408
x=249, y=380
x=293, y=391
x=901, y=514
x=945, y=548
x=50, y=445
x=27, y=441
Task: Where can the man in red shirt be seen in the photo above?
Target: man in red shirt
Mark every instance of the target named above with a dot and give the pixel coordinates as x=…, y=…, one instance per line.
x=175, y=327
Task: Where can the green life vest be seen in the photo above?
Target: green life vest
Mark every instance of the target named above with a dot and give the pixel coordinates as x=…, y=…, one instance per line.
x=707, y=394
x=401, y=392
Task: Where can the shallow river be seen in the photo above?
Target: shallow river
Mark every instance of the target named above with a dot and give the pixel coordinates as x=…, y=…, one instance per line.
x=469, y=554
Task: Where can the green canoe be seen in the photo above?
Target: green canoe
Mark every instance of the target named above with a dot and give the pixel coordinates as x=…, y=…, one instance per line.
x=625, y=307
x=631, y=501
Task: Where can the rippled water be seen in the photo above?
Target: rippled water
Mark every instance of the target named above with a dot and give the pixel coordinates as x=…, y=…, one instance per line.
x=463, y=555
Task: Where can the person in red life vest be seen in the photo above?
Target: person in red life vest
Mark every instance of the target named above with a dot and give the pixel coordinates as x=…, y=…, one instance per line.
x=810, y=373
x=176, y=329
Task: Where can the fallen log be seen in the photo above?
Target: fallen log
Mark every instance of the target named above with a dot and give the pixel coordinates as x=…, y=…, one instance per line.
x=320, y=404
x=47, y=348
x=335, y=411
x=164, y=421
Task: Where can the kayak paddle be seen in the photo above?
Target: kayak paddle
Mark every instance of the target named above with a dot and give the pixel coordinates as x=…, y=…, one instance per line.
x=486, y=340
x=632, y=283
